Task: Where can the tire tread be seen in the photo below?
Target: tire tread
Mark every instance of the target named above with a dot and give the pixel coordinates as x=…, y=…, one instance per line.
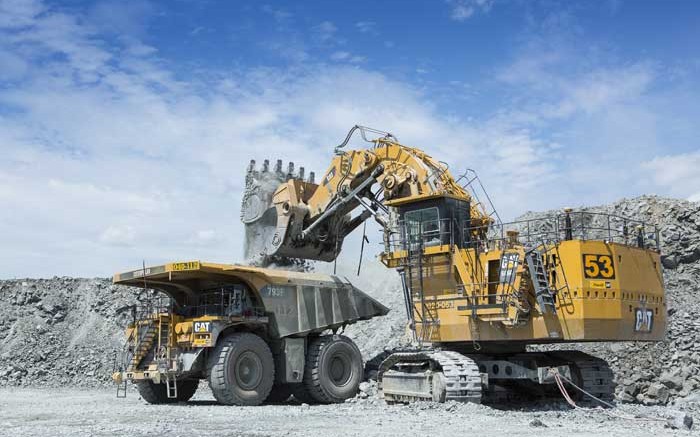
x=217, y=372
x=312, y=374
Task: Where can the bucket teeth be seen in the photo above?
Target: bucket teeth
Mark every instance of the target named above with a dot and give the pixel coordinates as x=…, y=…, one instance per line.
x=253, y=173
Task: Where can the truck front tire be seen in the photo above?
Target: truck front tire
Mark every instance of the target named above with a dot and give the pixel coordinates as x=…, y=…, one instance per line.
x=242, y=370
x=333, y=370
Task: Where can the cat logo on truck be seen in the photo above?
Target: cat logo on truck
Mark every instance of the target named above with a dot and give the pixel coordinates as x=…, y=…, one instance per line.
x=200, y=327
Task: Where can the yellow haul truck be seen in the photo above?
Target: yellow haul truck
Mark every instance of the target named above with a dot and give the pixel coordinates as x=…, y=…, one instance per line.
x=477, y=291
x=255, y=334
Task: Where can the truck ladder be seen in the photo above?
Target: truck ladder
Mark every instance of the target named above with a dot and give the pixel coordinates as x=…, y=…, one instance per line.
x=119, y=366
x=121, y=389
x=143, y=345
x=164, y=337
x=171, y=386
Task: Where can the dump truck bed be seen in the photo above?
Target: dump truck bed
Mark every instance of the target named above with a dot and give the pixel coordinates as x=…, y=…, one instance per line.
x=298, y=303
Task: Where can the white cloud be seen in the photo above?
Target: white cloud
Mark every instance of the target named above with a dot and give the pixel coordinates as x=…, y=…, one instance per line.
x=609, y=117
x=11, y=66
x=197, y=30
x=326, y=31
x=280, y=15
x=367, y=27
x=204, y=236
x=118, y=235
x=341, y=56
x=677, y=173
x=121, y=18
x=289, y=48
x=602, y=88
x=15, y=14
x=462, y=10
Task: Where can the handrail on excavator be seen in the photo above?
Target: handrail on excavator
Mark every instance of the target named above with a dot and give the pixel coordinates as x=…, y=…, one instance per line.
x=363, y=130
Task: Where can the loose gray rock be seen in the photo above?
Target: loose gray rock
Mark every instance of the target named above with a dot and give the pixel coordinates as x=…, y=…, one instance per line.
x=537, y=423
x=680, y=420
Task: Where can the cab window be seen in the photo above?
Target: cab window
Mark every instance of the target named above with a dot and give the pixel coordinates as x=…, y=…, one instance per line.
x=425, y=222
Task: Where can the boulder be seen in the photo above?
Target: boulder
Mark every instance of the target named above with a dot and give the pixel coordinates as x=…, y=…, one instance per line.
x=680, y=420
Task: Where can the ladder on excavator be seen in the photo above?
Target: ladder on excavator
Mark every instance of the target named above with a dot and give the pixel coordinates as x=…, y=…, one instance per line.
x=543, y=292
x=414, y=270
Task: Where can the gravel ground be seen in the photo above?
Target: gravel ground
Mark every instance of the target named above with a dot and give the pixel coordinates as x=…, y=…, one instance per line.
x=97, y=412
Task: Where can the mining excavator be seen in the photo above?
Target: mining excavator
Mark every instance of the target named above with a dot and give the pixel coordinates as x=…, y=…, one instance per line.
x=477, y=291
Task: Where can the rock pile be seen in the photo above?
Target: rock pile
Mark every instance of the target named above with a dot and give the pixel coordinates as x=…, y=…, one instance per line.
x=61, y=331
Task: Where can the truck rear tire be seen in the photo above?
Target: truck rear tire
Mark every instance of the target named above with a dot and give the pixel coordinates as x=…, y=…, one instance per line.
x=333, y=370
x=242, y=370
x=158, y=393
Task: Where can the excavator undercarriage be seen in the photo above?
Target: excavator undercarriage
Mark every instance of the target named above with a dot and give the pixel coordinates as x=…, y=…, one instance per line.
x=477, y=291
x=445, y=375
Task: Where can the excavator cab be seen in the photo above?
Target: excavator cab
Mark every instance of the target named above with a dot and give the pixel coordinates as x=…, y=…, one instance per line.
x=436, y=221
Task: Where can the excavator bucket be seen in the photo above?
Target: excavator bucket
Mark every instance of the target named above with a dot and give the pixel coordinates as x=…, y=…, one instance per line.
x=259, y=214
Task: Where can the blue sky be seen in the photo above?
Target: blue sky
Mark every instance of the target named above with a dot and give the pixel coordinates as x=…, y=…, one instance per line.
x=125, y=125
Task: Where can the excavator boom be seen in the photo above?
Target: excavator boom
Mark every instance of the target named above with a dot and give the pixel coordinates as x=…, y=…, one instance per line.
x=302, y=219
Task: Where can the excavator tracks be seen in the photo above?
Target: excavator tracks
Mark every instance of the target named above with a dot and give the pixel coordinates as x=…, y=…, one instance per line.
x=429, y=375
x=440, y=376
x=594, y=375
